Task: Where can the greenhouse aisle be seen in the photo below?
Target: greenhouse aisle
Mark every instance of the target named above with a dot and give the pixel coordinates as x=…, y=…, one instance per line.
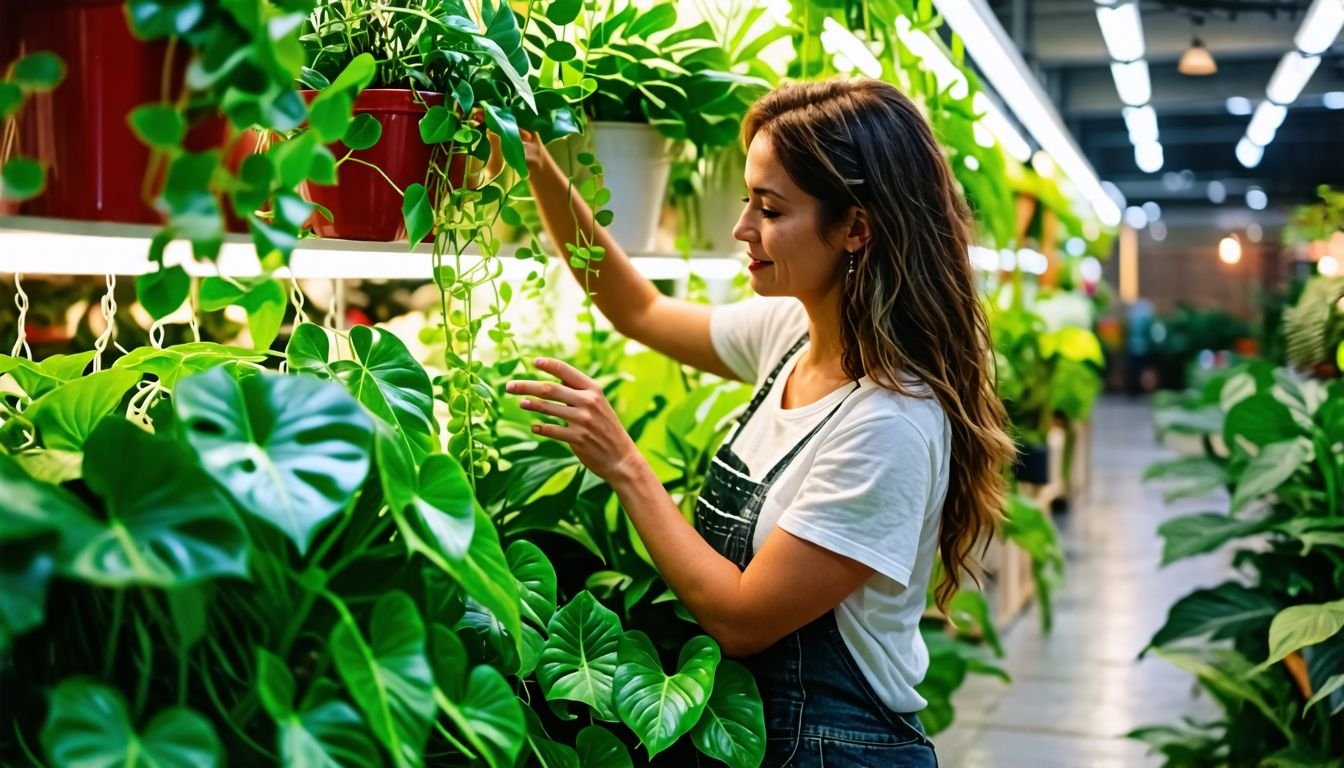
x=1077, y=691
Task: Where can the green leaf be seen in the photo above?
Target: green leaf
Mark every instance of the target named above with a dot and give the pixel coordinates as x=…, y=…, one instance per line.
x=536, y=580
x=152, y=19
x=11, y=98
x=417, y=212
x=437, y=126
x=22, y=178
x=1299, y=626
x=1228, y=610
x=1333, y=684
x=389, y=676
x=560, y=51
x=37, y=379
x=309, y=350
x=254, y=185
x=491, y=717
x=293, y=158
x=326, y=733
x=733, y=726
x=265, y=304
x=599, y=748
x=661, y=708
x=290, y=449
x=1196, y=534
x=550, y=754
x=438, y=505
x=162, y=291
x=40, y=71
x=167, y=525
x=392, y=385
x=1260, y=419
x=1229, y=675
x=364, y=132
x=969, y=607
x=158, y=126
x=356, y=76
x=51, y=466
x=503, y=123
x=65, y=417
x=88, y=725
x=1270, y=469
x=329, y=114
x=562, y=12
x=275, y=686
x=271, y=239
x=172, y=363
x=657, y=19
x=581, y=655
x=26, y=568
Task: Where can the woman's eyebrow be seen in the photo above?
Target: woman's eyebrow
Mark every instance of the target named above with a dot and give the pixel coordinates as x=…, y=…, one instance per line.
x=766, y=191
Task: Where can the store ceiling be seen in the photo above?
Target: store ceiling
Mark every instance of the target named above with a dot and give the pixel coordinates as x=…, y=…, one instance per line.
x=1061, y=39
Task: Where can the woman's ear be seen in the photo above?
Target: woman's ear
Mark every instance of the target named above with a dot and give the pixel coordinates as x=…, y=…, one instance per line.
x=860, y=230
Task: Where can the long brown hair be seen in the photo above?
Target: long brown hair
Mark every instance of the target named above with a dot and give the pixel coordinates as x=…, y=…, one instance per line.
x=911, y=304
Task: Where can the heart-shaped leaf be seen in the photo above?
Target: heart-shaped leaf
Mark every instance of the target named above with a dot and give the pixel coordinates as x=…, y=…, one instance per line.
x=389, y=676
x=581, y=655
x=417, y=213
x=732, y=729
x=438, y=504
x=292, y=450
x=309, y=351
x=658, y=707
x=491, y=717
x=364, y=132
x=162, y=291
x=172, y=363
x=536, y=580
x=329, y=114
x=22, y=178
x=325, y=733
x=392, y=385
x=39, y=71
x=157, y=125
x=25, y=571
x=167, y=525
x=66, y=416
x=37, y=379
x=1300, y=626
x=599, y=748
x=438, y=126
x=88, y=725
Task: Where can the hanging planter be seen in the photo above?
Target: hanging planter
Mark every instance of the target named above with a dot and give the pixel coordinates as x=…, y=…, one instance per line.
x=635, y=160
x=366, y=202
x=95, y=164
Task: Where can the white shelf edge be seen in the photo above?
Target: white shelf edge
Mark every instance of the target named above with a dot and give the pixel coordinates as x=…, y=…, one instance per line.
x=40, y=246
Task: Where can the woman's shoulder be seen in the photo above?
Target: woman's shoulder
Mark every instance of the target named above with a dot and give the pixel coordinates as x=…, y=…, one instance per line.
x=913, y=413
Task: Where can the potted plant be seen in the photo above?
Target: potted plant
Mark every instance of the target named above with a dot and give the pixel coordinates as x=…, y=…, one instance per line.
x=21, y=177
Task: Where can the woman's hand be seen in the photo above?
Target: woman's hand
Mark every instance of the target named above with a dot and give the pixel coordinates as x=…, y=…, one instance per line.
x=534, y=153
x=591, y=427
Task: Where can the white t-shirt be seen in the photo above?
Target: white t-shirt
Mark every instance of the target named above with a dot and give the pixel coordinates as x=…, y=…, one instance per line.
x=869, y=485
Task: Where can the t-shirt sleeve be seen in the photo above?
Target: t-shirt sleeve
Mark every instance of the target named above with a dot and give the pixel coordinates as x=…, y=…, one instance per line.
x=747, y=334
x=867, y=494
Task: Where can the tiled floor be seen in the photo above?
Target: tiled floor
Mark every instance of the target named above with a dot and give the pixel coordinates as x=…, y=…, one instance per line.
x=1078, y=690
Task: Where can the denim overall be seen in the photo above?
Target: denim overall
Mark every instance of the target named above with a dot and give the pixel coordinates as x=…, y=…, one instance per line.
x=819, y=708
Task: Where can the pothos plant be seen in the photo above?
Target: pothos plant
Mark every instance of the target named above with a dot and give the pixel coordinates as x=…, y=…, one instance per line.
x=273, y=568
x=1268, y=646
x=22, y=177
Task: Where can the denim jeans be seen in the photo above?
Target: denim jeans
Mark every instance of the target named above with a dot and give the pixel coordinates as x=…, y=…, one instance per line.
x=821, y=711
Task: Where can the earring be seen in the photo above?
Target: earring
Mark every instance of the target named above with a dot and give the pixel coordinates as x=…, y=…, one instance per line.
x=853, y=259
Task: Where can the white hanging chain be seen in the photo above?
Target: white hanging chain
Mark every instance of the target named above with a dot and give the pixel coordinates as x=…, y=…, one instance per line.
x=336, y=308
x=21, y=301
x=156, y=334
x=193, y=297
x=109, y=305
x=296, y=298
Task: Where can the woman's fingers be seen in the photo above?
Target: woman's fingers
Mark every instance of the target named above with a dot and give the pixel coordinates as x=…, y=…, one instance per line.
x=546, y=390
x=558, y=410
x=567, y=374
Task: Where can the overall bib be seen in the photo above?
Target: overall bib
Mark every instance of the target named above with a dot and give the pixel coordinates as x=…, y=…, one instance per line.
x=819, y=708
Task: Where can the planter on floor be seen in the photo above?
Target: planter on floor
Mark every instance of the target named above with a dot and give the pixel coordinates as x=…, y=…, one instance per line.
x=1033, y=463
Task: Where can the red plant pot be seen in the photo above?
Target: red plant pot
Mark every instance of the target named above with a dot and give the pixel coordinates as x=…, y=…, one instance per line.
x=363, y=205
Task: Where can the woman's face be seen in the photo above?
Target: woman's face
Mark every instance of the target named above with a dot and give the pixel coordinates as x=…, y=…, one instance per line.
x=781, y=226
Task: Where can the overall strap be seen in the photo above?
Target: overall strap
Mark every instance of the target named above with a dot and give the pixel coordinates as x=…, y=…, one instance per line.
x=764, y=390
x=791, y=455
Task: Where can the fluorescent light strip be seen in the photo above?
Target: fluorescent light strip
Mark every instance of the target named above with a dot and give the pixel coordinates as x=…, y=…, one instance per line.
x=1002, y=65
x=1132, y=83
x=1265, y=123
x=1141, y=122
x=1320, y=27
x=59, y=247
x=1291, y=76
x=1122, y=30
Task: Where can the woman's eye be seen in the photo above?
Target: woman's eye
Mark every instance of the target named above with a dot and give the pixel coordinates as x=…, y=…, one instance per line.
x=766, y=212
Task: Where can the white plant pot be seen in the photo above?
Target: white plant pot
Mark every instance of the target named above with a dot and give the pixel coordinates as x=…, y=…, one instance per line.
x=720, y=203
x=635, y=160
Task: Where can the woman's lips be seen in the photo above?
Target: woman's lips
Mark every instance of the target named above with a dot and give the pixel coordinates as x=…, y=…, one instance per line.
x=759, y=264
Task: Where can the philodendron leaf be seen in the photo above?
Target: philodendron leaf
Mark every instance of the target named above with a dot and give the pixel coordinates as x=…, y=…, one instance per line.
x=1225, y=611
x=325, y=733
x=1270, y=469
x=1299, y=626
x=40, y=71
x=733, y=726
x=172, y=363
x=21, y=178
x=536, y=580
x=1229, y=675
x=389, y=676
x=364, y=132
x=65, y=417
x=162, y=291
x=436, y=504
x=599, y=748
x=309, y=351
x=1191, y=535
x=1333, y=684
x=26, y=568
x=580, y=658
x=392, y=385
x=159, y=126
x=292, y=450
x=88, y=725
x=658, y=707
x=37, y=379
x=417, y=213
x=489, y=715
x=167, y=524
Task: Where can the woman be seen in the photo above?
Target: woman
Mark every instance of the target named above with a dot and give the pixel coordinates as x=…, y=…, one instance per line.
x=874, y=441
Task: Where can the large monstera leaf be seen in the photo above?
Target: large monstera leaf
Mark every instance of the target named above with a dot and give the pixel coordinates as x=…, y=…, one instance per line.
x=292, y=450
x=658, y=707
x=732, y=729
x=383, y=376
x=88, y=726
x=389, y=675
x=166, y=523
x=579, y=660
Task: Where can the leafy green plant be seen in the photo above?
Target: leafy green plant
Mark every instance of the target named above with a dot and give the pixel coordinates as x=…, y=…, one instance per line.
x=1272, y=644
x=22, y=177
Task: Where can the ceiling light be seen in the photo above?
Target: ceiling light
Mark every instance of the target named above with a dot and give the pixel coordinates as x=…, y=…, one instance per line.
x=1141, y=123
x=1256, y=199
x=1153, y=210
x=1135, y=217
x=1148, y=156
x=1158, y=231
x=1122, y=30
x=1216, y=191
x=1197, y=61
x=1131, y=82
x=1254, y=233
x=1239, y=105
x=1042, y=163
x=998, y=58
x=1249, y=154
x=1291, y=76
x=1229, y=249
x=1320, y=27
x=1075, y=246
x=1265, y=122
x=1333, y=100
x=1090, y=269
x=1001, y=128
